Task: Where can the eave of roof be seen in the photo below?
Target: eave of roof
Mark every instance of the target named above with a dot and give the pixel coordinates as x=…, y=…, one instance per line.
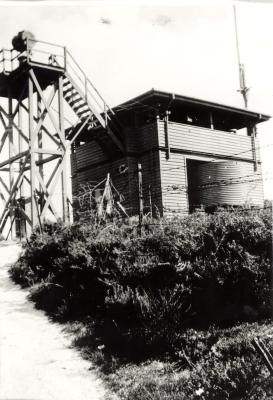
x=153, y=93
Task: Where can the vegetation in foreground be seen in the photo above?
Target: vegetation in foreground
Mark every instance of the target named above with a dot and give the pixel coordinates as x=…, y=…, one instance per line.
x=168, y=315
x=224, y=366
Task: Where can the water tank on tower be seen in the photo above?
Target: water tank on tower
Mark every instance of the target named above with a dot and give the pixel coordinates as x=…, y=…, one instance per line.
x=19, y=42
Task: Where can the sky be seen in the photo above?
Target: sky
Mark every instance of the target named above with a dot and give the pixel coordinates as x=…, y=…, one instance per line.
x=127, y=48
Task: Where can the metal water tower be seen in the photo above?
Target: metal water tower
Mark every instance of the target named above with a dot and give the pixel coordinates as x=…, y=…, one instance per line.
x=36, y=80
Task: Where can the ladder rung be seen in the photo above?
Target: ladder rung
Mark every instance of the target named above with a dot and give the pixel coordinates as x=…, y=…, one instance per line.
x=78, y=103
x=84, y=113
x=83, y=107
x=84, y=116
x=68, y=86
x=74, y=100
x=72, y=90
x=73, y=97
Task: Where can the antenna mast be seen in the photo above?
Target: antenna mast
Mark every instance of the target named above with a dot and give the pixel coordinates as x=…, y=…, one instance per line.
x=243, y=88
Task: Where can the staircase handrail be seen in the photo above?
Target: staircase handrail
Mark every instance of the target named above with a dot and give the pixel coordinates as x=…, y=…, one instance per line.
x=68, y=64
x=86, y=82
x=88, y=88
x=44, y=42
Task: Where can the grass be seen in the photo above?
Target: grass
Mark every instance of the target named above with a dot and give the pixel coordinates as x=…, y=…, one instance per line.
x=228, y=368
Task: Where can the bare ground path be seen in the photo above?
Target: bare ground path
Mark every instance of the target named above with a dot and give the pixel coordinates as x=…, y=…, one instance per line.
x=36, y=362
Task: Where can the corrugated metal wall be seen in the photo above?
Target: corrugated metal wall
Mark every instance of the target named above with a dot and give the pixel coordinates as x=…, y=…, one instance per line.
x=229, y=183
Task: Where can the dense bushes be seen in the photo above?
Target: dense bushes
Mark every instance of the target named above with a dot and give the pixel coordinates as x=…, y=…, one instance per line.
x=179, y=290
x=143, y=291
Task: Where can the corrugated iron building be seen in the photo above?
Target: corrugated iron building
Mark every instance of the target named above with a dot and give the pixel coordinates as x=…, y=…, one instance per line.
x=193, y=152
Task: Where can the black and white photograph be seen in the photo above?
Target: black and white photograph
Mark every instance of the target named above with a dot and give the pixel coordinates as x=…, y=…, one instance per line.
x=136, y=194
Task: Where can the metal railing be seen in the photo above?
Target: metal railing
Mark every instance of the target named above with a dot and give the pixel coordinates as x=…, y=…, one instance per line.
x=57, y=57
x=9, y=60
x=87, y=90
x=47, y=54
x=38, y=53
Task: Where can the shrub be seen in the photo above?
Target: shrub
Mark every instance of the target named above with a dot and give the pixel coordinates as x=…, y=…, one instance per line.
x=216, y=364
x=48, y=296
x=145, y=320
x=195, y=272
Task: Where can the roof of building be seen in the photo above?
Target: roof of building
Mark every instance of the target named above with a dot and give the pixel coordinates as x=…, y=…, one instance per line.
x=227, y=116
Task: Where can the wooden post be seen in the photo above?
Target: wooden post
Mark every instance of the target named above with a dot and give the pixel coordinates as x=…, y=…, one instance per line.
x=267, y=357
x=100, y=211
x=68, y=210
x=140, y=198
x=166, y=120
x=150, y=201
x=65, y=58
x=211, y=120
x=253, y=145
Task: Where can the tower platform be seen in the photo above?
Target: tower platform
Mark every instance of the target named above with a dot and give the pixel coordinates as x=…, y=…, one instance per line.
x=14, y=83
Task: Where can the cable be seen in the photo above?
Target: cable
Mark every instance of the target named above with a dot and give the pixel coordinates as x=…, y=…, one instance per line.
x=256, y=148
x=215, y=160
